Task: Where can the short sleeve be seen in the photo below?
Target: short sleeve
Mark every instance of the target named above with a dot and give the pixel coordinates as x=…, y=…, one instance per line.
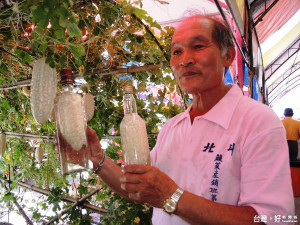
x=265, y=175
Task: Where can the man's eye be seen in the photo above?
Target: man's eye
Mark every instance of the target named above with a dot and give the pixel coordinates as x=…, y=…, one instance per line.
x=198, y=46
x=176, y=52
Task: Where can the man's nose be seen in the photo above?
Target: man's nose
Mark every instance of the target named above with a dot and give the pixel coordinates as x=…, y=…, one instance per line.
x=187, y=60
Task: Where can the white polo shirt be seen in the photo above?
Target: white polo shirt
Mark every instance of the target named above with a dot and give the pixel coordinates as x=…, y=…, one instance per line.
x=234, y=154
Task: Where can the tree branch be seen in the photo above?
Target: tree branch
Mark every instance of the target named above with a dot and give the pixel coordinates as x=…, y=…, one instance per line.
x=152, y=35
x=7, y=52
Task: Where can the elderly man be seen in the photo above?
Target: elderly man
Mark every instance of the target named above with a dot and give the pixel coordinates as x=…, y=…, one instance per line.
x=222, y=161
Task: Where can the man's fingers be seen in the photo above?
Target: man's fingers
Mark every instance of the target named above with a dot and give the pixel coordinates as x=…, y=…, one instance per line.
x=135, y=196
x=131, y=188
x=93, y=142
x=91, y=135
x=135, y=169
x=129, y=178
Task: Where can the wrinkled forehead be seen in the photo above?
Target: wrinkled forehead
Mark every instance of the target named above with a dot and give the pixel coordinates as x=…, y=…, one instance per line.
x=194, y=25
x=194, y=21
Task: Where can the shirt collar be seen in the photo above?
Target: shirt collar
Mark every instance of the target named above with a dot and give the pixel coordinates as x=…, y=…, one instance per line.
x=226, y=105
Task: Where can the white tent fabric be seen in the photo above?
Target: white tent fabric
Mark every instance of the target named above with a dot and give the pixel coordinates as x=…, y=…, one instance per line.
x=174, y=11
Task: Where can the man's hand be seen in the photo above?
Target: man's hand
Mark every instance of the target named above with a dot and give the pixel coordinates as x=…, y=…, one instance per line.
x=147, y=184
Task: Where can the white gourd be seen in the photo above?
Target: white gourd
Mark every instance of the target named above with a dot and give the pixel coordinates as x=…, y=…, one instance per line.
x=89, y=106
x=71, y=123
x=2, y=144
x=26, y=90
x=43, y=90
x=134, y=140
x=39, y=154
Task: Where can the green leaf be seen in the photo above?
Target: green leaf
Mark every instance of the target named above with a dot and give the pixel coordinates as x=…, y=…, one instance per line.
x=43, y=47
x=62, y=60
x=73, y=30
x=7, y=197
x=24, y=56
x=73, y=20
x=168, y=79
x=3, y=68
x=140, y=13
x=63, y=14
x=128, y=9
x=36, y=43
x=27, y=58
x=35, y=35
x=153, y=23
x=42, y=19
x=60, y=34
x=63, y=21
x=82, y=24
x=36, y=215
x=77, y=50
x=139, y=39
x=51, y=61
x=78, y=62
x=1, y=80
x=82, y=189
x=38, y=13
x=92, y=181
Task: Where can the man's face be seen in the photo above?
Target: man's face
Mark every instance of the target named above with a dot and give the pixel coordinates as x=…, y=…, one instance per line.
x=196, y=60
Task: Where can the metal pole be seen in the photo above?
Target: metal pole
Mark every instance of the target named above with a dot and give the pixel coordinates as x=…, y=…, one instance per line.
x=89, y=73
x=251, y=69
x=75, y=204
x=84, y=204
x=28, y=221
x=260, y=18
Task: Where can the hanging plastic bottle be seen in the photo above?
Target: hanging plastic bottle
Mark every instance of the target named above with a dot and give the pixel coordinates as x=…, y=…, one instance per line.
x=71, y=127
x=133, y=131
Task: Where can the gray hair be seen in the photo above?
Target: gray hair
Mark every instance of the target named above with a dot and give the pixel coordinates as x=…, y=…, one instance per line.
x=221, y=33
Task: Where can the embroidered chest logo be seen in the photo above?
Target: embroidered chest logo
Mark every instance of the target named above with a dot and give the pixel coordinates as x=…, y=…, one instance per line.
x=209, y=147
x=215, y=178
x=214, y=183
x=231, y=148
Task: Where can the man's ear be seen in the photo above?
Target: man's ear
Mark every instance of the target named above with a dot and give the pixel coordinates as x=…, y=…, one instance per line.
x=229, y=56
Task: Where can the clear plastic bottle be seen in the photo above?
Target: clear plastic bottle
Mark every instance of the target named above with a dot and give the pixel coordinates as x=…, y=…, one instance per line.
x=71, y=128
x=133, y=132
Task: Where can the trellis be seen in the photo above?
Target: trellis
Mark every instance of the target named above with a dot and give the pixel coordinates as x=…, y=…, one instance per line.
x=21, y=69
x=76, y=202
x=127, y=70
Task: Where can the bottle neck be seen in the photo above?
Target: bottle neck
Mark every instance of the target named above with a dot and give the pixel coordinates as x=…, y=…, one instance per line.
x=129, y=103
x=67, y=88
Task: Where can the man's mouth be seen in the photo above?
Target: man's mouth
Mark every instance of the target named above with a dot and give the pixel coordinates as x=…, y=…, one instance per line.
x=190, y=73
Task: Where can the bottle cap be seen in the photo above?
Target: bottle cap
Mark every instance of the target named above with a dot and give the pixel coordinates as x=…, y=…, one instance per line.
x=127, y=88
x=66, y=76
